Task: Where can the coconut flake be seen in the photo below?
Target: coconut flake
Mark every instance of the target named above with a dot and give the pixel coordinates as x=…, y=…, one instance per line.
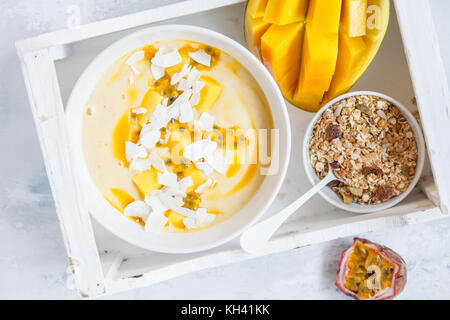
x=155, y=203
x=157, y=72
x=199, y=149
x=140, y=165
x=166, y=59
x=160, y=117
x=157, y=162
x=155, y=222
x=195, y=99
x=139, y=111
x=137, y=209
x=204, y=167
x=186, y=113
x=217, y=162
x=150, y=138
x=193, y=76
x=201, y=218
x=185, y=183
x=168, y=179
x=206, y=121
x=180, y=75
x=201, y=57
x=134, y=59
x=205, y=185
x=183, y=85
x=133, y=151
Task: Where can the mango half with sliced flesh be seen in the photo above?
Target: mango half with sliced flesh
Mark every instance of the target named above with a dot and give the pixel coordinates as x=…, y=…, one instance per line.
x=316, y=49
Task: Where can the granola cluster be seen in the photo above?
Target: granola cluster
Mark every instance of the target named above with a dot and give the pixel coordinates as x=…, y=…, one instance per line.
x=369, y=144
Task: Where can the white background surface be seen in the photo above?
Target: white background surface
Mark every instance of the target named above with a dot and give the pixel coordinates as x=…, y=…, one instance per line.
x=33, y=260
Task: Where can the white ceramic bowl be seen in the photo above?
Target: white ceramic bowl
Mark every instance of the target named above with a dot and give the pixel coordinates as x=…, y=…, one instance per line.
x=124, y=227
x=329, y=194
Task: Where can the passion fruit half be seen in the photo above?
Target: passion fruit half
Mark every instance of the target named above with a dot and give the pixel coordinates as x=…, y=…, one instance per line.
x=369, y=271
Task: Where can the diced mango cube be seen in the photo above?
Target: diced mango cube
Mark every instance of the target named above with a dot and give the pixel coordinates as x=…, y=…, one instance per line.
x=197, y=177
x=284, y=12
x=320, y=52
x=209, y=94
x=307, y=100
x=281, y=47
x=312, y=84
x=256, y=8
x=324, y=15
x=317, y=69
x=175, y=218
x=149, y=102
x=288, y=82
x=351, y=59
x=377, y=20
x=354, y=17
x=254, y=30
x=121, y=198
x=147, y=181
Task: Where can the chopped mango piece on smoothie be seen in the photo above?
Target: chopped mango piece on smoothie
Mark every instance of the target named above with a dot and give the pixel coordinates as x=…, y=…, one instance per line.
x=121, y=134
x=256, y=8
x=197, y=177
x=324, y=15
x=176, y=219
x=147, y=181
x=149, y=102
x=354, y=17
x=209, y=94
x=122, y=198
x=283, y=12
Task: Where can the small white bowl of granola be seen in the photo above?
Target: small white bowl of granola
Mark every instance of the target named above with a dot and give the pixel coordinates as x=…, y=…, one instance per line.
x=374, y=145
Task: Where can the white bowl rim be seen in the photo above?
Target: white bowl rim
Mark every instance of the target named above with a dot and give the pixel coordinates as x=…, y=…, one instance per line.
x=328, y=194
x=278, y=111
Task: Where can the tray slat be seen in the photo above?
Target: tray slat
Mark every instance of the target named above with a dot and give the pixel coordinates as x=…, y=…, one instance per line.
x=430, y=85
x=47, y=107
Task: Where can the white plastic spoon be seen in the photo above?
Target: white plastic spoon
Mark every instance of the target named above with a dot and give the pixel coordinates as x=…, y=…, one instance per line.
x=256, y=237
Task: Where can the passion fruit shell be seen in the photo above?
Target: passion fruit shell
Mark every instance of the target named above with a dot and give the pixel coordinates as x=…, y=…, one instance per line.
x=369, y=271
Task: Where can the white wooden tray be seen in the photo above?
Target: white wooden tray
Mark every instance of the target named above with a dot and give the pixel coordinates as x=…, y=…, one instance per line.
x=101, y=263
